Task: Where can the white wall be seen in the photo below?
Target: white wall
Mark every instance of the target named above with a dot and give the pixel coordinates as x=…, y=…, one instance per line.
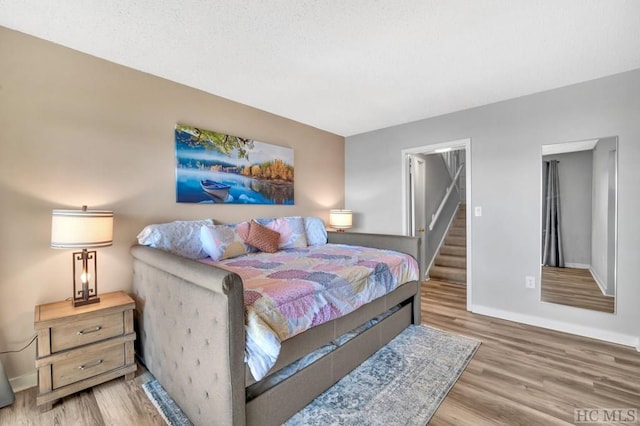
x=603, y=214
x=506, y=141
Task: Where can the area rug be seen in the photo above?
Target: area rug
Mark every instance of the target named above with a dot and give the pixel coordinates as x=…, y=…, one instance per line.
x=168, y=409
x=402, y=383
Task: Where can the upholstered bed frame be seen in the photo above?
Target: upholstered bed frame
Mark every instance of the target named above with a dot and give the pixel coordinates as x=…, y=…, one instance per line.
x=190, y=320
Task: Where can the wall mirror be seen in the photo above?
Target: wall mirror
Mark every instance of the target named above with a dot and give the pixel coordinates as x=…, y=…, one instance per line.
x=579, y=211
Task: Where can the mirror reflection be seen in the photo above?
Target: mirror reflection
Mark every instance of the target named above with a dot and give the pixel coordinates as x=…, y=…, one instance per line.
x=579, y=199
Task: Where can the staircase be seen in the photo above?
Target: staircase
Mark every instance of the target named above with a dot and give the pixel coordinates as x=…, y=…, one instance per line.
x=451, y=262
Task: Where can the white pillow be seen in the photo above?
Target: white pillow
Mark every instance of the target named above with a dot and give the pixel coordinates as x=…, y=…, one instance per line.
x=291, y=230
x=224, y=241
x=181, y=237
x=316, y=231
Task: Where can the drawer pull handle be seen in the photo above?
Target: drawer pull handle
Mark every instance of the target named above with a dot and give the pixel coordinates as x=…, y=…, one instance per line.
x=89, y=330
x=85, y=366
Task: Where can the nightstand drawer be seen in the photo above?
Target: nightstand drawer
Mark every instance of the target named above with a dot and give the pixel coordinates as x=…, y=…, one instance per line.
x=87, y=364
x=86, y=331
x=83, y=346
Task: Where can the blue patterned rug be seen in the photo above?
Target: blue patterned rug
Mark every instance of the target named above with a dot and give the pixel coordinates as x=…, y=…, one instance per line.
x=168, y=409
x=402, y=383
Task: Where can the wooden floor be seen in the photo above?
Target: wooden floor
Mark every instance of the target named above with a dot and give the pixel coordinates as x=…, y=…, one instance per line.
x=521, y=375
x=118, y=402
x=524, y=375
x=574, y=287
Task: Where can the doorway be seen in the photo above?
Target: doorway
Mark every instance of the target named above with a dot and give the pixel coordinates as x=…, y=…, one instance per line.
x=415, y=220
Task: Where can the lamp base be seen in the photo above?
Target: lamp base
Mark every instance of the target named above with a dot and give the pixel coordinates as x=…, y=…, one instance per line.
x=82, y=302
x=88, y=292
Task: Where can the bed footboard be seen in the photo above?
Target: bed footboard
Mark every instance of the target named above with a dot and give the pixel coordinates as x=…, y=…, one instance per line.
x=190, y=319
x=400, y=243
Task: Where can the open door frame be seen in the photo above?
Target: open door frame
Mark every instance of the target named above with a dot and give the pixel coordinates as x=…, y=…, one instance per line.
x=416, y=219
x=406, y=196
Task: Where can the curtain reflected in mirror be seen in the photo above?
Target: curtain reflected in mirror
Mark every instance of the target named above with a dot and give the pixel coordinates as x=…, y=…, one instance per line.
x=579, y=201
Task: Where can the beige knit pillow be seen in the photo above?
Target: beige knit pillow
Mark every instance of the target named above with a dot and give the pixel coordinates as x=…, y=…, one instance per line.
x=263, y=238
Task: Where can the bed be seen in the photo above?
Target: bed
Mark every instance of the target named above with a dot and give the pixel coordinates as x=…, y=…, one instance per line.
x=193, y=327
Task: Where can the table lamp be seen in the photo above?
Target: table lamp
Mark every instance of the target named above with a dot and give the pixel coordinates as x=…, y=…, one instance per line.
x=82, y=229
x=340, y=219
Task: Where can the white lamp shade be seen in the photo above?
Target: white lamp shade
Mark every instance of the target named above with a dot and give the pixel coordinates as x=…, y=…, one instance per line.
x=81, y=228
x=340, y=219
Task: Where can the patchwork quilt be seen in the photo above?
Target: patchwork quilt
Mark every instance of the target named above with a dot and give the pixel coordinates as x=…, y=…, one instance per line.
x=288, y=292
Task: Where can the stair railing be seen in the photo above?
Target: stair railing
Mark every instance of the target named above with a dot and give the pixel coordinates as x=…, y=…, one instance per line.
x=436, y=215
x=453, y=160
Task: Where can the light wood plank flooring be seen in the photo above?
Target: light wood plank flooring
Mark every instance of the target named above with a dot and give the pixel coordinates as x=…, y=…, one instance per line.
x=521, y=375
x=118, y=402
x=524, y=375
x=574, y=287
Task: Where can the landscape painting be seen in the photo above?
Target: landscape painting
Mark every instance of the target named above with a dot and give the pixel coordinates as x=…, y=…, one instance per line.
x=213, y=167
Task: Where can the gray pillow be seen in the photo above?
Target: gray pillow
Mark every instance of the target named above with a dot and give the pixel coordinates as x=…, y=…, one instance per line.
x=316, y=231
x=181, y=237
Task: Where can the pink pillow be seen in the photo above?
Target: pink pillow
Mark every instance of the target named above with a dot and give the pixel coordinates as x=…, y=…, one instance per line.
x=291, y=230
x=262, y=238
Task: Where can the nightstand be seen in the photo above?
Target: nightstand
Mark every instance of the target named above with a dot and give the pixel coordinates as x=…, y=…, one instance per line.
x=83, y=346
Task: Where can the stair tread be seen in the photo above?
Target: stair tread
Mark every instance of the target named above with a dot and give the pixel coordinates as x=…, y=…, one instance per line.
x=453, y=250
x=446, y=273
x=451, y=257
x=448, y=269
x=451, y=261
x=453, y=240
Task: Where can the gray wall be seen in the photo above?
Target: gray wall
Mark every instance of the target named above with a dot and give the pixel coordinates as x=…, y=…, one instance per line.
x=574, y=174
x=506, y=140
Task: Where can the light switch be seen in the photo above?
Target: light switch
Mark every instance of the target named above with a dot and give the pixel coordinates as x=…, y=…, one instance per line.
x=478, y=211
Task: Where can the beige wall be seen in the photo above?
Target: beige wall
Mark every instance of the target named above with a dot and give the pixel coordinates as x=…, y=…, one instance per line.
x=78, y=130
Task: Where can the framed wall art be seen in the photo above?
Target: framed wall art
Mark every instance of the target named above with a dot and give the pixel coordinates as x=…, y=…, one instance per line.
x=213, y=167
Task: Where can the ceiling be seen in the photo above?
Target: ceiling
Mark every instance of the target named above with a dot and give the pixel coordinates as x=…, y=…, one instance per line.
x=353, y=66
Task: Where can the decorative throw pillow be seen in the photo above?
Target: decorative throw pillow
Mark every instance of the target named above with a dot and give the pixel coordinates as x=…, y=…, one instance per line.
x=291, y=229
x=181, y=237
x=263, y=238
x=316, y=231
x=224, y=241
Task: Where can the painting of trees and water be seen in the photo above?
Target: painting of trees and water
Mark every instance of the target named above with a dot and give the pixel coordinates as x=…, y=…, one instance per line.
x=213, y=167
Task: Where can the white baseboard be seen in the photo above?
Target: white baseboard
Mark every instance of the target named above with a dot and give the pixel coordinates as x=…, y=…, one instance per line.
x=579, y=330
x=23, y=382
x=577, y=265
x=598, y=281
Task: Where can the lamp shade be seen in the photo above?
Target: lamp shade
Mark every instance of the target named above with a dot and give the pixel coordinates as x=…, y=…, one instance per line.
x=81, y=228
x=340, y=219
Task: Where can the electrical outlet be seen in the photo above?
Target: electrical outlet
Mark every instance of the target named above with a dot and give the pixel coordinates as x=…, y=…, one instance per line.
x=530, y=282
